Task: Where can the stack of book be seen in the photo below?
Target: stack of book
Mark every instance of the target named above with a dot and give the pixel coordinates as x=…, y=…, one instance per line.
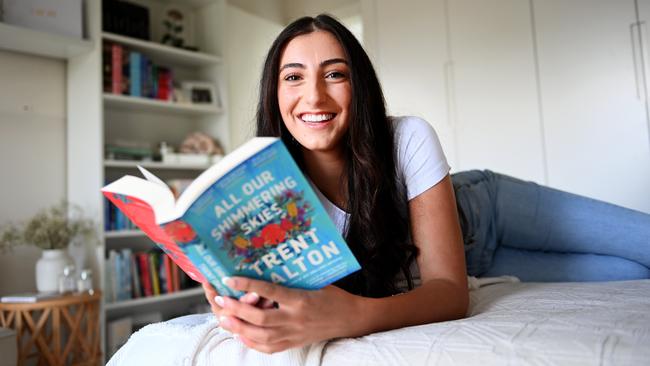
x=128, y=72
x=132, y=275
x=116, y=220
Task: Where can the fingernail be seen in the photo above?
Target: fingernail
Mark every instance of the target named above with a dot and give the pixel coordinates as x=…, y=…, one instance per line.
x=254, y=296
x=219, y=300
x=224, y=321
x=227, y=281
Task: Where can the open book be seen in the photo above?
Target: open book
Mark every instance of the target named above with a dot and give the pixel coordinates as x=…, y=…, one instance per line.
x=253, y=214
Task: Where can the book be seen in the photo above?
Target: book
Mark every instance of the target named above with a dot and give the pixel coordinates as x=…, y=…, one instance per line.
x=116, y=68
x=135, y=62
x=29, y=297
x=252, y=214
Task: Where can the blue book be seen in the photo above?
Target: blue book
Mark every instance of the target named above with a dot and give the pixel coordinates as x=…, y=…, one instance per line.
x=135, y=84
x=253, y=214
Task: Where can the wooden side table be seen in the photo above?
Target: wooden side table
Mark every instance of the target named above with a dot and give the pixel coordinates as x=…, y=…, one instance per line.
x=63, y=330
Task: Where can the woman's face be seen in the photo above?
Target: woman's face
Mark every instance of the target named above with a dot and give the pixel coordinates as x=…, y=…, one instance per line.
x=314, y=91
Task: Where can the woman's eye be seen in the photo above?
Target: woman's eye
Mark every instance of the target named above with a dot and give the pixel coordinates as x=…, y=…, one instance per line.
x=292, y=77
x=335, y=75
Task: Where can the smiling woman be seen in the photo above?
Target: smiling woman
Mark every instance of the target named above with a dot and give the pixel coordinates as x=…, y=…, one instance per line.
x=383, y=180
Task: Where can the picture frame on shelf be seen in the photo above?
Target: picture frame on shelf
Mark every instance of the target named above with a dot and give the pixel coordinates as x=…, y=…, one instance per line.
x=200, y=92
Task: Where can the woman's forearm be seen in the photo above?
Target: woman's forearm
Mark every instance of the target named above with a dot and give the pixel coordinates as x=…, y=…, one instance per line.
x=436, y=300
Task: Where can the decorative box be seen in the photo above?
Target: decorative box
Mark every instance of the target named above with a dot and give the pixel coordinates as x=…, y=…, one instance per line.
x=53, y=16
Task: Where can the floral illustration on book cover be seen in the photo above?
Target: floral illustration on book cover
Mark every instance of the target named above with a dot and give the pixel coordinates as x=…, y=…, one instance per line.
x=263, y=220
x=250, y=248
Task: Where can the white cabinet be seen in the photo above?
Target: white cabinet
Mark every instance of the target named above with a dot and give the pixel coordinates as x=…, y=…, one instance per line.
x=415, y=65
x=551, y=91
x=496, y=114
x=593, y=98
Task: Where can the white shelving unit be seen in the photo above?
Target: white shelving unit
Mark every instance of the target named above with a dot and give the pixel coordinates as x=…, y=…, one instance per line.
x=96, y=118
x=115, y=234
x=153, y=165
x=34, y=42
x=164, y=54
x=140, y=104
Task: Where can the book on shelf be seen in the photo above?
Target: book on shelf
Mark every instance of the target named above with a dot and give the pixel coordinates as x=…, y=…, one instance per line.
x=132, y=73
x=133, y=275
x=252, y=214
x=29, y=297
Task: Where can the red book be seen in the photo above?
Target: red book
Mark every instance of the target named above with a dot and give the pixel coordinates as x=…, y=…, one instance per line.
x=116, y=69
x=164, y=82
x=167, y=263
x=145, y=276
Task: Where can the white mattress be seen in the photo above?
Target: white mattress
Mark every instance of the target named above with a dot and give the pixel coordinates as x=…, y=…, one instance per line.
x=605, y=323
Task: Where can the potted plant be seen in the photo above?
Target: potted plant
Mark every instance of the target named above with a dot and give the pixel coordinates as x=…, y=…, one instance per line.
x=51, y=229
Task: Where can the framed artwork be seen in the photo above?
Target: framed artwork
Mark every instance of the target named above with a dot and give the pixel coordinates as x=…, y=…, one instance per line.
x=200, y=92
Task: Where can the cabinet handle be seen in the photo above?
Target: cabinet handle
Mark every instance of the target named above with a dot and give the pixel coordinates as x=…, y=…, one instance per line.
x=633, y=38
x=643, y=35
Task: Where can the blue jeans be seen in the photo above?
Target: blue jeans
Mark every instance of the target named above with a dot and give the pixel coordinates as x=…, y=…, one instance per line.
x=519, y=228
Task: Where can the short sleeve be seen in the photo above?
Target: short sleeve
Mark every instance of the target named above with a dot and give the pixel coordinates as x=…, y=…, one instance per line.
x=421, y=163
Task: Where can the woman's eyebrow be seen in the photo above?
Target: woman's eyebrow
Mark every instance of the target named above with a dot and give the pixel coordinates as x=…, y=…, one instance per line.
x=333, y=61
x=324, y=63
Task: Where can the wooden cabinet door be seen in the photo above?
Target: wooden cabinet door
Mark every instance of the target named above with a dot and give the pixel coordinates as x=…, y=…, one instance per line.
x=593, y=99
x=496, y=114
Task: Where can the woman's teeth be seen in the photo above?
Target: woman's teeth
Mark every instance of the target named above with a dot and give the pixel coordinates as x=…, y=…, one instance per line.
x=317, y=117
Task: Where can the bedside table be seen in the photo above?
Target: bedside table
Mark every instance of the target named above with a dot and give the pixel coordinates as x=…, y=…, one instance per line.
x=59, y=331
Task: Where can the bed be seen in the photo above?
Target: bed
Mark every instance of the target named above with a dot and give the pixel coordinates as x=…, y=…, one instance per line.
x=509, y=323
x=584, y=299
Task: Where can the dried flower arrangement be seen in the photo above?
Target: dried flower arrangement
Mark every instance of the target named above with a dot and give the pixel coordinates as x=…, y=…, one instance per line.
x=51, y=228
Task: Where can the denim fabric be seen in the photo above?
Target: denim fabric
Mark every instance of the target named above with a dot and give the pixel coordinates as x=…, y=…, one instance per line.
x=538, y=233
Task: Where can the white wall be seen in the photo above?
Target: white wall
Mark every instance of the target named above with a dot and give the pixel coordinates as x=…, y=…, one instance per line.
x=249, y=40
x=32, y=152
x=271, y=10
x=294, y=9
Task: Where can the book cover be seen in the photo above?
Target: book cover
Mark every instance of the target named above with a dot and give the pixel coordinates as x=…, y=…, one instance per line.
x=29, y=297
x=116, y=68
x=154, y=271
x=145, y=277
x=135, y=62
x=253, y=214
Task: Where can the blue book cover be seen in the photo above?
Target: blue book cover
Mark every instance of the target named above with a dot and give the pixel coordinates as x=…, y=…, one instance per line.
x=253, y=214
x=135, y=63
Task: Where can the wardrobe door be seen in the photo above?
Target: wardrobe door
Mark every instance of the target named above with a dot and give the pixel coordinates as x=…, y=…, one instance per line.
x=496, y=114
x=411, y=58
x=593, y=99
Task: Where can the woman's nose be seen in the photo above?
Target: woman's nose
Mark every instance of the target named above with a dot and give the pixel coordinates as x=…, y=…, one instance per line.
x=316, y=92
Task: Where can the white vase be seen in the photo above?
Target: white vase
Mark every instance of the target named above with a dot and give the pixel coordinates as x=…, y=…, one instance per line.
x=48, y=269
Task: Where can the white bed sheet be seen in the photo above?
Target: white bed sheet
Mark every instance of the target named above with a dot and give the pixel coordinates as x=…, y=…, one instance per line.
x=605, y=323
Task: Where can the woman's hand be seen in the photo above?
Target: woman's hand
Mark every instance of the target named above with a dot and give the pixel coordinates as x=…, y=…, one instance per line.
x=251, y=299
x=300, y=318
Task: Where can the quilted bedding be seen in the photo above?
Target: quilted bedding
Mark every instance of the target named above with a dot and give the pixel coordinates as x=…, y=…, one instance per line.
x=606, y=323
x=586, y=323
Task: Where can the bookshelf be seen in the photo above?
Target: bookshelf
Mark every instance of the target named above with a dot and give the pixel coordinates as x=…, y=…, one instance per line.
x=97, y=118
x=140, y=104
x=154, y=165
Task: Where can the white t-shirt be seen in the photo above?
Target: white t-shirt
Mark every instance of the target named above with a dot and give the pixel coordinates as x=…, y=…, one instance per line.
x=420, y=164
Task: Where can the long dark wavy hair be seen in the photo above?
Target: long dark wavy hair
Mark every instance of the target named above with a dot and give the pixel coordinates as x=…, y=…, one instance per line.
x=377, y=232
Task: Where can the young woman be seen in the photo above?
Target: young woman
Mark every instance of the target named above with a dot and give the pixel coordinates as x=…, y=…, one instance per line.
x=385, y=183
